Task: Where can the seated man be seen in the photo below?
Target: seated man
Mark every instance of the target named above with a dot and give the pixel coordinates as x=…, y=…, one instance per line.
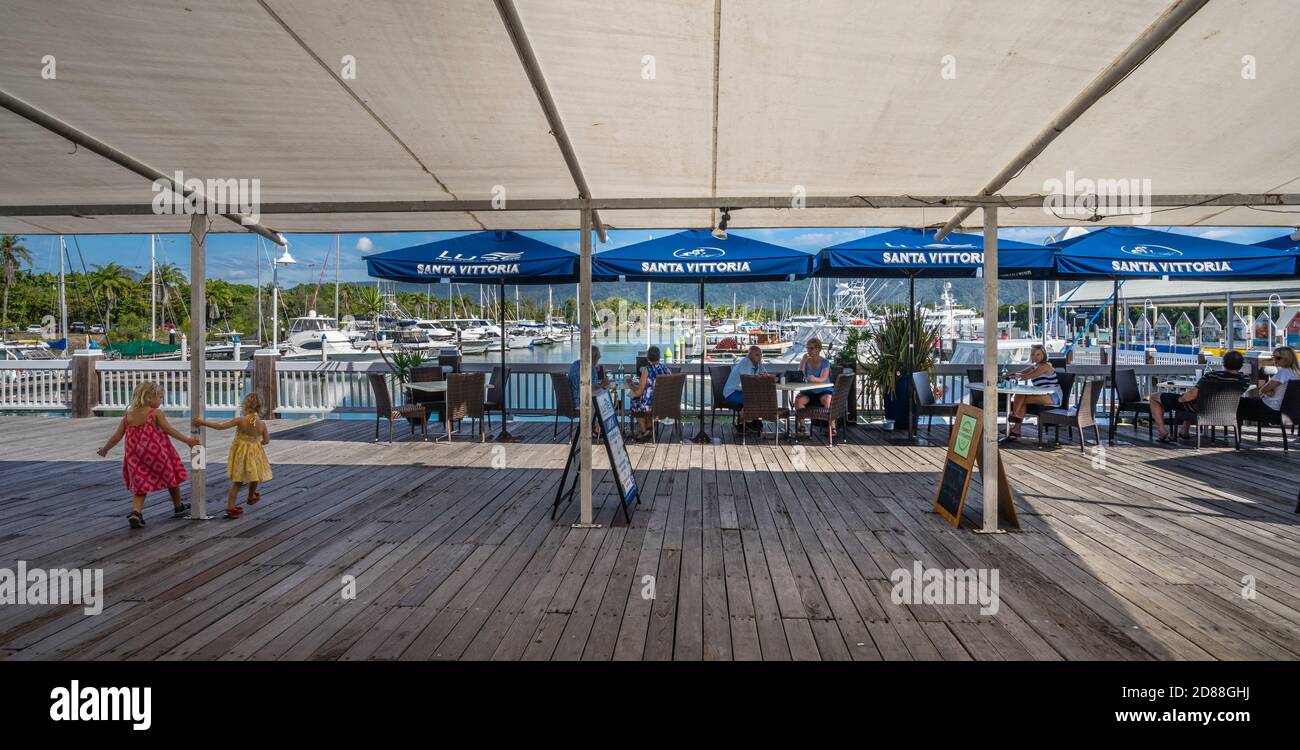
x=1186, y=402
x=598, y=379
x=752, y=364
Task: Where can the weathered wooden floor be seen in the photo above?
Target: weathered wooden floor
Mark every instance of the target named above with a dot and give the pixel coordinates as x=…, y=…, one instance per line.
x=762, y=552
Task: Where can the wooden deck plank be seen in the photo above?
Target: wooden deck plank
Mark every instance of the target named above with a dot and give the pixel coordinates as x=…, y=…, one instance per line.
x=760, y=552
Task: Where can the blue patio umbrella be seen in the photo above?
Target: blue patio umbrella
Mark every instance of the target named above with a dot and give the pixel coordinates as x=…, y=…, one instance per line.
x=481, y=258
x=1285, y=243
x=697, y=256
x=1119, y=253
x=915, y=253
x=1137, y=253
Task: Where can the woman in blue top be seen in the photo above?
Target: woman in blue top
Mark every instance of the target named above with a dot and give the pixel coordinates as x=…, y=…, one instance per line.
x=643, y=392
x=815, y=369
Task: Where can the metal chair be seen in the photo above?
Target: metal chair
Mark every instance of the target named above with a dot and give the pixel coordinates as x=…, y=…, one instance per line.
x=1288, y=416
x=923, y=398
x=564, y=406
x=760, y=403
x=1216, y=406
x=496, y=394
x=384, y=408
x=465, y=400
x=1081, y=415
x=1066, y=381
x=839, y=408
x=718, y=375
x=667, y=403
x=1130, y=399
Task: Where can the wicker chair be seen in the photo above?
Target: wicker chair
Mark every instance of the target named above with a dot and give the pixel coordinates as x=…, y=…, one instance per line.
x=667, y=403
x=564, y=406
x=465, y=400
x=496, y=393
x=1081, y=415
x=432, y=402
x=718, y=375
x=384, y=408
x=1216, y=406
x=839, y=408
x=1287, y=418
x=1130, y=400
x=923, y=398
x=760, y=403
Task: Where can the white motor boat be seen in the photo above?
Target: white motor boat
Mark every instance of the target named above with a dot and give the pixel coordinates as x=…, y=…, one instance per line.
x=312, y=334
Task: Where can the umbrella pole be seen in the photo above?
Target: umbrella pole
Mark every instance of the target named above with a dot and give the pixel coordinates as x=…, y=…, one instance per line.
x=701, y=436
x=911, y=353
x=505, y=436
x=1114, y=359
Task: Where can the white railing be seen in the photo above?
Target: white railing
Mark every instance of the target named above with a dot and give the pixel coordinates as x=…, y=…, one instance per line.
x=38, y=384
x=319, y=387
x=227, y=383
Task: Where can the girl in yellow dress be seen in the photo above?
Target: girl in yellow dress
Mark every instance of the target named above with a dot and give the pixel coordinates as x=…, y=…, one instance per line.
x=247, y=462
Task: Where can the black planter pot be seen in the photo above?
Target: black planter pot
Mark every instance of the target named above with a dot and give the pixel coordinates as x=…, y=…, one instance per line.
x=896, y=407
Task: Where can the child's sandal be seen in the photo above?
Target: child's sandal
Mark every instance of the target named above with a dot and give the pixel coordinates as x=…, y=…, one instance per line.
x=135, y=519
x=253, y=498
x=234, y=512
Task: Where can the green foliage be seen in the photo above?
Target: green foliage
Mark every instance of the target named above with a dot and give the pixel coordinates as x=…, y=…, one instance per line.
x=848, y=353
x=888, y=351
x=403, y=363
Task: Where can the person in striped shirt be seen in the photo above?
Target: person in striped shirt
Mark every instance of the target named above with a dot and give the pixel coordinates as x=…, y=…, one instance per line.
x=1042, y=375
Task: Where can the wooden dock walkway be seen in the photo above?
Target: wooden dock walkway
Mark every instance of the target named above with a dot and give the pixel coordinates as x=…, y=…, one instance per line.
x=759, y=552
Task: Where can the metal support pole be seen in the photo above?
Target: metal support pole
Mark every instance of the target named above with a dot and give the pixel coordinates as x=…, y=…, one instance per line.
x=585, y=518
x=153, y=291
x=701, y=436
x=1230, y=340
x=1114, y=366
x=505, y=436
x=911, y=353
x=198, y=360
x=989, y=471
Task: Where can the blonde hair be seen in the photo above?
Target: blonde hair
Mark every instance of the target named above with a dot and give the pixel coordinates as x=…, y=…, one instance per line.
x=143, y=392
x=1287, y=360
x=252, y=406
x=1039, y=348
x=813, y=343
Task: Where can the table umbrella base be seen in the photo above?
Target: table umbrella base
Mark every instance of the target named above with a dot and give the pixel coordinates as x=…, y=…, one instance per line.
x=506, y=437
x=702, y=438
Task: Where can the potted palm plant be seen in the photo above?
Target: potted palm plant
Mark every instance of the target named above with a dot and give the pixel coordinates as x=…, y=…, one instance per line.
x=888, y=368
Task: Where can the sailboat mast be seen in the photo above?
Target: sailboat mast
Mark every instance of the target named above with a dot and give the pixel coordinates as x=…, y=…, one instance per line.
x=336, y=279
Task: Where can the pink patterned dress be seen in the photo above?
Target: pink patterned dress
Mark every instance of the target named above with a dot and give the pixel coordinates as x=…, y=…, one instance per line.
x=151, y=461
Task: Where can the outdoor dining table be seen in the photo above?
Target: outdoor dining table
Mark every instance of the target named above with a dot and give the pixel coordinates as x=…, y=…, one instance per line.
x=792, y=389
x=1015, y=390
x=440, y=386
x=1176, y=385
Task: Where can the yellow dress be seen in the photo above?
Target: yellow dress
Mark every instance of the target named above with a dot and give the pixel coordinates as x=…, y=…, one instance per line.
x=247, y=461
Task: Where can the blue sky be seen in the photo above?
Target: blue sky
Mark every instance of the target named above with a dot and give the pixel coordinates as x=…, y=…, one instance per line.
x=231, y=256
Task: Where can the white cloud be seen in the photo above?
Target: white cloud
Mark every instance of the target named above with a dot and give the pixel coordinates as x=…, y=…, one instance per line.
x=365, y=245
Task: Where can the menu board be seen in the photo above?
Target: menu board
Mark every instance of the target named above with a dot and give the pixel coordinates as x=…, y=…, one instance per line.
x=618, y=458
x=964, y=451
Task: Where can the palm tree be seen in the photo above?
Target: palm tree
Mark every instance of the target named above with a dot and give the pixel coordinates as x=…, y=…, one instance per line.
x=12, y=257
x=113, y=281
x=170, y=279
x=220, y=295
x=370, y=303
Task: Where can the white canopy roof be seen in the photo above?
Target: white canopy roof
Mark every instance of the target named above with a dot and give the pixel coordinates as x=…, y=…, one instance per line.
x=659, y=99
x=1135, y=291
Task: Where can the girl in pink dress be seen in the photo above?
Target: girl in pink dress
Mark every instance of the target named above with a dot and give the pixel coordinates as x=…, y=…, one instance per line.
x=151, y=462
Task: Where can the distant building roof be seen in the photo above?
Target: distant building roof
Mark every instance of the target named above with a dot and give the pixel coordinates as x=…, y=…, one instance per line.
x=1185, y=292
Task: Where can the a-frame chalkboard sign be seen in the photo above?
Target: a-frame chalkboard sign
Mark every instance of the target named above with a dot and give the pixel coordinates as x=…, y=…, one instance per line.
x=965, y=450
x=612, y=436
